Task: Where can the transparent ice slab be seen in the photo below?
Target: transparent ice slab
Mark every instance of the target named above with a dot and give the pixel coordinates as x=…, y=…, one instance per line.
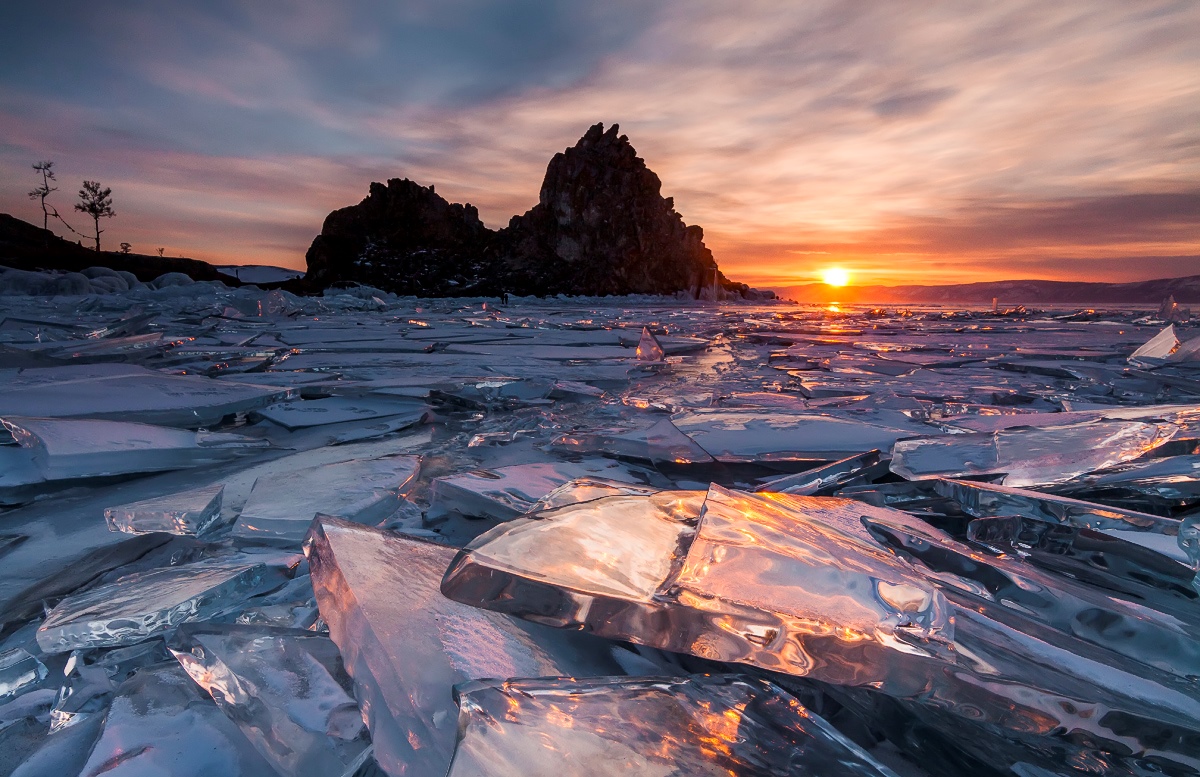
x=1031, y=455
x=506, y=492
x=283, y=506
x=189, y=512
x=127, y=392
x=699, y=725
x=747, y=583
x=143, y=604
x=285, y=689
x=64, y=449
x=160, y=723
x=406, y=645
x=746, y=435
x=19, y=671
x=587, y=489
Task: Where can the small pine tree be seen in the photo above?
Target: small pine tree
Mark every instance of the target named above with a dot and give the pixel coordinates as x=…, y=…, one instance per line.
x=97, y=203
x=43, y=191
x=126, y=248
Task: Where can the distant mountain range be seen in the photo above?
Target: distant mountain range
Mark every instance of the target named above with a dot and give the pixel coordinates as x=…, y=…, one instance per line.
x=1026, y=292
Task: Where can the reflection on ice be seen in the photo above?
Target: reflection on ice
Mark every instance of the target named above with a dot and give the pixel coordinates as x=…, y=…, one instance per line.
x=701, y=725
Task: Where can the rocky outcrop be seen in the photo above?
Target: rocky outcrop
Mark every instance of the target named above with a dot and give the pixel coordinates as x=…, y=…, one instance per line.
x=406, y=239
x=601, y=226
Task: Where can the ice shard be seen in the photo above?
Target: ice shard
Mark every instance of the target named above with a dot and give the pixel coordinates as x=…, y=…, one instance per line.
x=587, y=489
x=746, y=435
x=143, y=604
x=160, y=722
x=1157, y=348
x=191, y=512
x=828, y=478
x=648, y=348
x=18, y=671
x=333, y=410
x=506, y=492
x=699, y=725
x=64, y=449
x=406, y=645
x=1029, y=456
x=285, y=689
x=281, y=507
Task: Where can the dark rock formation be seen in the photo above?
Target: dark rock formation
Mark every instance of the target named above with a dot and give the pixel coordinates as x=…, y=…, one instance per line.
x=601, y=226
x=406, y=239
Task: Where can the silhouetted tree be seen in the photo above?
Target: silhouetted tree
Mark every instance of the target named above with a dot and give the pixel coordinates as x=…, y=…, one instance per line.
x=97, y=203
x=43, y=191
x=160, y=251
x=126, y=248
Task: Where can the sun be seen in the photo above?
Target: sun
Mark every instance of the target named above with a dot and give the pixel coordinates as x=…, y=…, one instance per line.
x=836, y=276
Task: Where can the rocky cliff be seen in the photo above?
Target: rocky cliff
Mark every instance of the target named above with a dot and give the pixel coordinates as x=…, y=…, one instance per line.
x=601, y=226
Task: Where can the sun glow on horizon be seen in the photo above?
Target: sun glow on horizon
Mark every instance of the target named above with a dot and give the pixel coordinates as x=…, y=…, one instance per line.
x=836, y=276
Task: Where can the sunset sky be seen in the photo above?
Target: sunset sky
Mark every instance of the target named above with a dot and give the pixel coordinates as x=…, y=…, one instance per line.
x=905, y=141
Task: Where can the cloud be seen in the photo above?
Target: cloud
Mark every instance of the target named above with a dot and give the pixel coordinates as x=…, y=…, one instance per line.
x=938, y=131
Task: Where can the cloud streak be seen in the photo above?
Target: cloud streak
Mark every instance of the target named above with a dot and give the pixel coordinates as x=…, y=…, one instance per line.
x=975, y=139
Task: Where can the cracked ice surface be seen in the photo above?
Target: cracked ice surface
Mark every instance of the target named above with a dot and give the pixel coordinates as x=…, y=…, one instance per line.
x=966, y=540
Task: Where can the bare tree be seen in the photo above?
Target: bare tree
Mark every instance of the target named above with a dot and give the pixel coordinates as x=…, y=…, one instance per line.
x=43, y=191
x=126, y=248
x=97, y=203
x=160, y=251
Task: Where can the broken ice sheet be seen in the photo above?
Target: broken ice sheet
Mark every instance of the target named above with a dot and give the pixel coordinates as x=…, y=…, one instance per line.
x=747, y=435
x=699, y=725
x=143, y=604
x=1027, y=456
x=161, y=723
x=406, y=645
x=189, y=512
x=285, y=689
x=365, y=491
x=64, y=449
x=506, y=492
x=587, y=489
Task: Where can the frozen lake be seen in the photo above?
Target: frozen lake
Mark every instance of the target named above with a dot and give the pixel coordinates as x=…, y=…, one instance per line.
x=250, y=533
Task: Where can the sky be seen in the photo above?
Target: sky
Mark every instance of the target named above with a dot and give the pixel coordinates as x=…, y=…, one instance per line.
x=914, y=142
